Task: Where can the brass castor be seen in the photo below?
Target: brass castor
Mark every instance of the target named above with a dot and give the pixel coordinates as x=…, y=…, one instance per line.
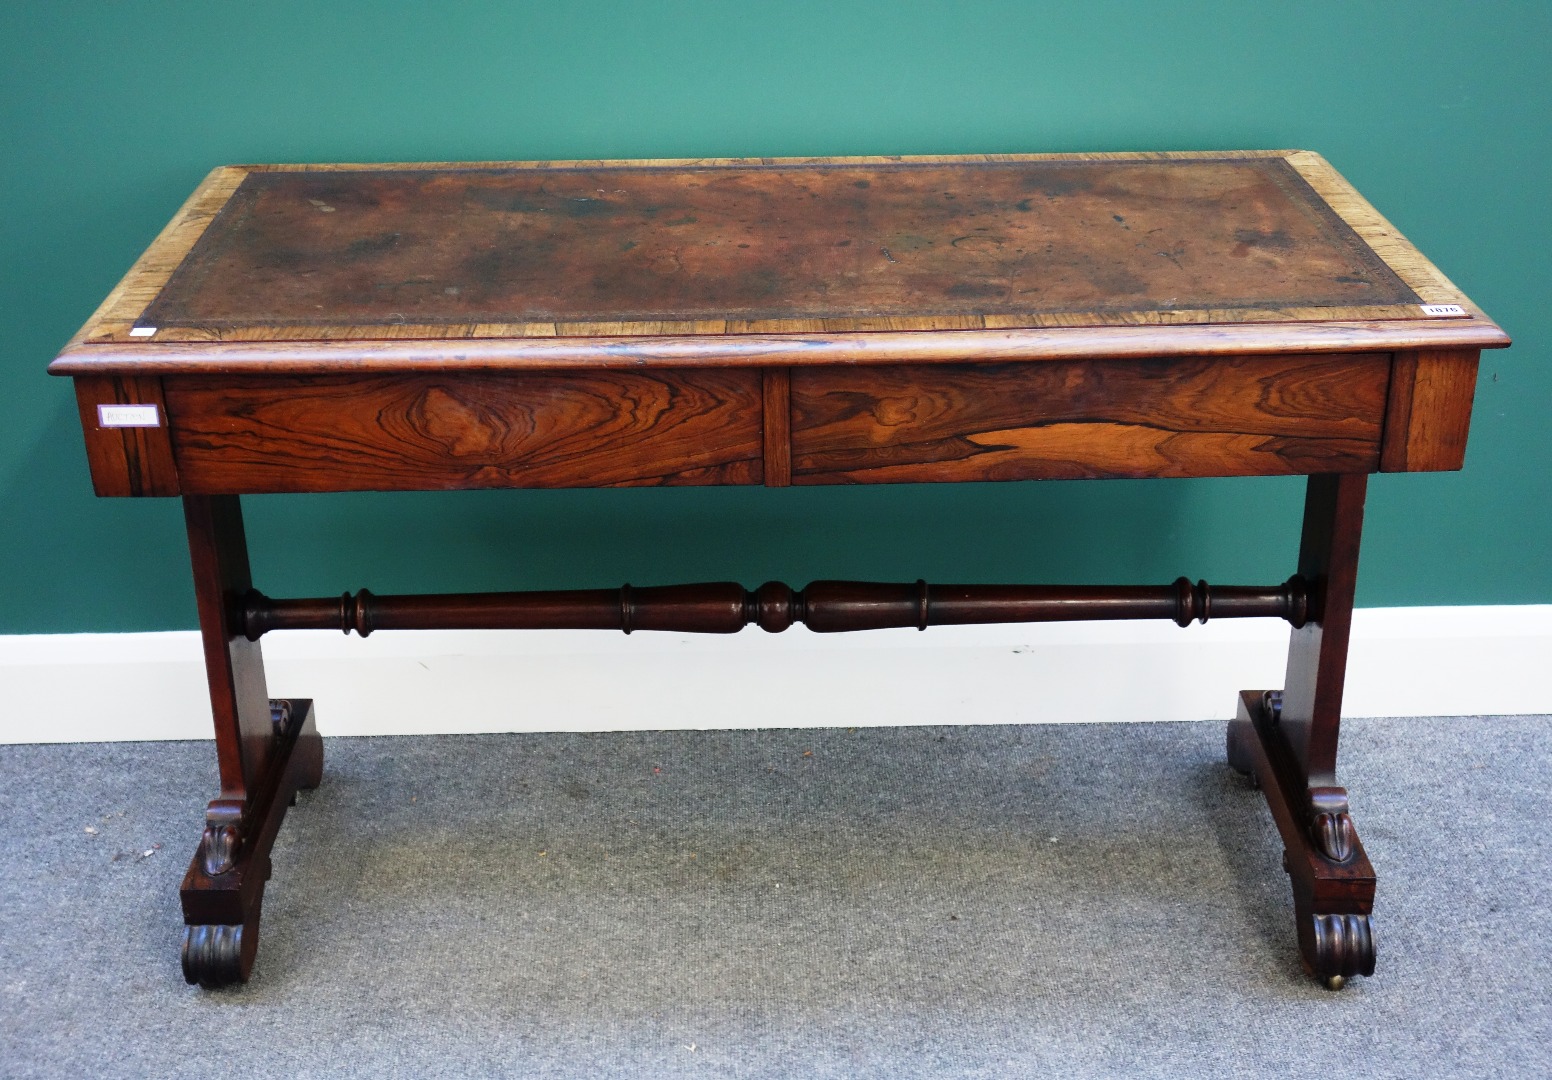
x=1335, y=982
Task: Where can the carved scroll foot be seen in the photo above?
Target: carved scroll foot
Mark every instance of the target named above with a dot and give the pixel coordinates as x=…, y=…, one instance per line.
x=1337, y=947
x=1333, y=881
x=212, y=955
x=223, y=890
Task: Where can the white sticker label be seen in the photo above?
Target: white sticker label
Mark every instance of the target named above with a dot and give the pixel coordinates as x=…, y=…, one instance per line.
x=128, y=416
x=141, y=331
x=1444, y=311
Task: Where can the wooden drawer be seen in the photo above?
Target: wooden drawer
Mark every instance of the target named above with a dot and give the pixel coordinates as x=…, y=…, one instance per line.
x=425, y=431
x=1106, y=418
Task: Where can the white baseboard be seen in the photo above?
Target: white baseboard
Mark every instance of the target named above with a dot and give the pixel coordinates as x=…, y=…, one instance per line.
x=1403, y=662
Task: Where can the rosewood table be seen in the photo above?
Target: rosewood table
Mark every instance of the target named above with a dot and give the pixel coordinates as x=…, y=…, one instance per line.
x=317, y=328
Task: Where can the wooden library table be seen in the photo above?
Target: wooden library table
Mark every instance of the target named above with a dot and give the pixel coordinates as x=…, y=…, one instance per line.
x=316, y=328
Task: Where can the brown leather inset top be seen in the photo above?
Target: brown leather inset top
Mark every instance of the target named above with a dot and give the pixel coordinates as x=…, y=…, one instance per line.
x=819, y=241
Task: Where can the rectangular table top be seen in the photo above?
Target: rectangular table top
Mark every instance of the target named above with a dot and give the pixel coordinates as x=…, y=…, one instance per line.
x=738, y=262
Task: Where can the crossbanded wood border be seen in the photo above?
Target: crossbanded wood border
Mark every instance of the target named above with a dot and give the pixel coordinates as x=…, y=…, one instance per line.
x=116, y=317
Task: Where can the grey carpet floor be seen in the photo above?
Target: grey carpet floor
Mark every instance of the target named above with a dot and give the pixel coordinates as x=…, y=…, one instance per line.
x=920, y=902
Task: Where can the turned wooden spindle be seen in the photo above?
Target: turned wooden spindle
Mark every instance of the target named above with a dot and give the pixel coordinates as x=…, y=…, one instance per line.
x=724, y=607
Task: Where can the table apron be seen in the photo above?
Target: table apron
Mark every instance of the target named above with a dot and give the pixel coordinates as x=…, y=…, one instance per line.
x=1297, y=414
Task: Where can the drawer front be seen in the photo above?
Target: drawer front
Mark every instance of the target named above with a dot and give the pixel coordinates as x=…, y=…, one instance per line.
x=427, y=431
x=1198, y=416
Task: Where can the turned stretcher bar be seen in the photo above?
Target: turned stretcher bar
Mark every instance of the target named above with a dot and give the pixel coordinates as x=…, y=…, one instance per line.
x=722, y=607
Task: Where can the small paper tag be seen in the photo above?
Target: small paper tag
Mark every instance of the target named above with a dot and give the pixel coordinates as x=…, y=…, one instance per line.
x=128, y=416
x=1444, y=311
x=141, y=331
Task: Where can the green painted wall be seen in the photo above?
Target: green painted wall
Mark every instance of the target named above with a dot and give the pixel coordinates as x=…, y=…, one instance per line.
x=111, y=113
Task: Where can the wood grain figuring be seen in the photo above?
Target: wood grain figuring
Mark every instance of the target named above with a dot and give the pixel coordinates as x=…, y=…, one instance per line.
x=417, y=432
x=126, y=461
x=1429, y=413
x=777, y=427
x=1266, y=415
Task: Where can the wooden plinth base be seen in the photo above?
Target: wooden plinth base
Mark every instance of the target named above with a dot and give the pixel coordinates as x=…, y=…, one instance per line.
x=1333, y=882
x=223, y=891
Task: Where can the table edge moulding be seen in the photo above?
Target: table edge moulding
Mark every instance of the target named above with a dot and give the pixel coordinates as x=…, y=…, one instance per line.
x=776, y=321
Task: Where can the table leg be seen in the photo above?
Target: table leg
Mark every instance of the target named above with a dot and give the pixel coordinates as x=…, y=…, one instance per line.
x=1287, y=741
x=266, y=750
